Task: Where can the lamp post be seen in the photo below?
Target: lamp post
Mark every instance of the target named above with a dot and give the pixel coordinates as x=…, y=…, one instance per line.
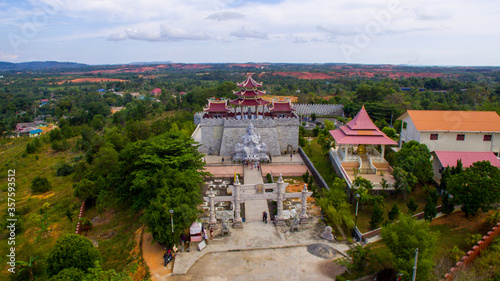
x=172, y=219
x=357, y=202
x=415, y=266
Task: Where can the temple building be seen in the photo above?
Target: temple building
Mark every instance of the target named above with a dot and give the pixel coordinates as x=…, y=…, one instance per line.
x=226, y=125
x=356, y=151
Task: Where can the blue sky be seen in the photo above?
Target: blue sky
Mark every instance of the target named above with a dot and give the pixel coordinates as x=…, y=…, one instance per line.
x=416, y=32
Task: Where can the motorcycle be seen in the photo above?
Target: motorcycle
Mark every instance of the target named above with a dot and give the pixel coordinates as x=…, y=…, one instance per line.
x=167, y=257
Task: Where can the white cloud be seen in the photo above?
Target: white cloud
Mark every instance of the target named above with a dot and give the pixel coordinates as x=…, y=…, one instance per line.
x=8, y=56
x=165, y=33
x=428, y=14
x=227, y=15
x=247, y=32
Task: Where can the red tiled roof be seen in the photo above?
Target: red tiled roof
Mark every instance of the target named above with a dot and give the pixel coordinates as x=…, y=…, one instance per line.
x=216, y=106
x=449, y=158
x=361, y=130
x=362, y=121
x=248, y=102
x=249, y=83
x=249, y=93
x=282, y=107
x=157, y=90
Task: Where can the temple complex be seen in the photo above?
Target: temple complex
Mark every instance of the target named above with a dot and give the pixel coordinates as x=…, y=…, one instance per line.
x=230, y=128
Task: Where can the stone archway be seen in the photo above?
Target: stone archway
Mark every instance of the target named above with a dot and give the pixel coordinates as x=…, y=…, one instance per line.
x=289, y=149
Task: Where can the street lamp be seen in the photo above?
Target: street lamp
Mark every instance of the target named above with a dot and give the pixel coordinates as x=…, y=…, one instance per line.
x=172, y=219
x=357, y=202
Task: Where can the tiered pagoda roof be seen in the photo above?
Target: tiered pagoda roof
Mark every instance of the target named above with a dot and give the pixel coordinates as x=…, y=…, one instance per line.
x=361, y=130
x=250, y=95
x=249, y=83
x=216, y=106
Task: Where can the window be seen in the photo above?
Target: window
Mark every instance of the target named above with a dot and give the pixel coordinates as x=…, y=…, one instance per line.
x=487, y=138
x=434, y=136
x=405, y=125
x=460, y=137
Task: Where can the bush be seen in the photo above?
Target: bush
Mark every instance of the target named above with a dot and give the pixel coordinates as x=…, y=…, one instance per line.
x=64, y=170
x=60, y=145
x=40, y=184
x=269, y=178
x=72, y=250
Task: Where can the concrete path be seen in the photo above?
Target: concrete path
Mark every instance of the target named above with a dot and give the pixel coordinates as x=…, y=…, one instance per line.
x=254, y=208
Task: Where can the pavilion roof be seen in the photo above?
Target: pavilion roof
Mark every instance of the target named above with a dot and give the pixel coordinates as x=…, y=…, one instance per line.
x=281, y=106
x=216, y=106
x=249, y=102
x=249, y=93
x=249, y=83
x=361, y=130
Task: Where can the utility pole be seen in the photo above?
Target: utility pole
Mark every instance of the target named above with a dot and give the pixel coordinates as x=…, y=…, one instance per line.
x=415, y=266
x=172, y=219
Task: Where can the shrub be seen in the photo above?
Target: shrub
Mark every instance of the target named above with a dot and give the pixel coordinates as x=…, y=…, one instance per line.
x=39, y=184
x=64, y=170
x=72, y=250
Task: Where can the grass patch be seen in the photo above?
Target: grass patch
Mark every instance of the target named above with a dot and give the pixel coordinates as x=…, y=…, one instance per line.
x=321, y=162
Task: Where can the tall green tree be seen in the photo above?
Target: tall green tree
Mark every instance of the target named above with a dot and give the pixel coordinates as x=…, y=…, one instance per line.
x=476, y=188
x=402, y=238
x=377, y=216
x=415, y=158
x=403, y=180
x=180, y=192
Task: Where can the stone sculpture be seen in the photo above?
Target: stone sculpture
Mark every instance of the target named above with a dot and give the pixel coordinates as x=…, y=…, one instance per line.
x=251, y=148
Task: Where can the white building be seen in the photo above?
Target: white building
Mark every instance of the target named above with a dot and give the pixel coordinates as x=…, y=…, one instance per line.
x=452, y=130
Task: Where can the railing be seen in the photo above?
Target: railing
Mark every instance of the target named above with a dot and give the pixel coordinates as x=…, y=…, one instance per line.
x=371, y=165
x=336, y=162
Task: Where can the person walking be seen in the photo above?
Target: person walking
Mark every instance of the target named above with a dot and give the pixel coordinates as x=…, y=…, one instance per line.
x=264, y=216
x=291, y=156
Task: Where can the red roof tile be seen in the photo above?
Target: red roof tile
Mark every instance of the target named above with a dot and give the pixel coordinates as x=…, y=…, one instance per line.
x=449, y=158
x=249, y=83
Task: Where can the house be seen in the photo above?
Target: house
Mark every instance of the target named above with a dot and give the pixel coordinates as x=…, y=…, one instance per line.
x=24, y=129
x=35, y=133
x=443, y=159
x=135, y=95
x=156, y=92
x=452, y=130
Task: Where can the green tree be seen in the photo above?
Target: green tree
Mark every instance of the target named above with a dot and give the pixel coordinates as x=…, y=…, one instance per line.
x=402, y=238
x=393, y=213
x=141, y=163
x=415, y=158
x=86, y=190
x=476, y=188
x=447, y=203
x=69, y=274
x=412, y=206
x=313, y=116
x=40, y=185
x=377, y=216
x=72, y=250
x=56, y=135
x=403, y=180
x=179, y=192
x=430, y=211
x=27, y=266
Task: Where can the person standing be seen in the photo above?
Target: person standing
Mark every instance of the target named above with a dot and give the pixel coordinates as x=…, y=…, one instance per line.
x=264, y=216
x=291, y=156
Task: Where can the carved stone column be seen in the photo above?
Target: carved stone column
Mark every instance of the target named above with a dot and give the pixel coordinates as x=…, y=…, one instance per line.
x=211, y=202
x=237, y=222
x=303, y=215
x=279, y=219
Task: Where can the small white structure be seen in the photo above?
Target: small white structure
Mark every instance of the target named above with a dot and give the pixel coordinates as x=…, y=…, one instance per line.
x=452, y=130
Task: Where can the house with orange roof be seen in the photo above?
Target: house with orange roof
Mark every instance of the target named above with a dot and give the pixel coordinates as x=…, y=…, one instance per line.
x=452, y=130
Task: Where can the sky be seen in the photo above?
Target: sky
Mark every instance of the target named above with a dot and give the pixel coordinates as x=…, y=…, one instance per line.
x=414, y=32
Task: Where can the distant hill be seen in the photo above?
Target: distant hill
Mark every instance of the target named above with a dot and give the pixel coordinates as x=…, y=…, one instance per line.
x=38, y=65
x=150, y=62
